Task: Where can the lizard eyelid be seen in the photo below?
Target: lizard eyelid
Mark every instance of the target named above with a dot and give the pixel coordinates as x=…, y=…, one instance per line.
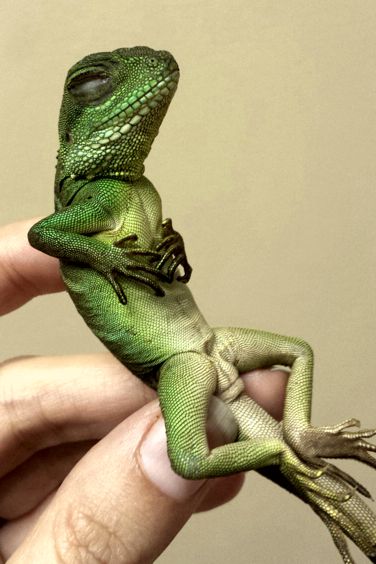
x=90, y=88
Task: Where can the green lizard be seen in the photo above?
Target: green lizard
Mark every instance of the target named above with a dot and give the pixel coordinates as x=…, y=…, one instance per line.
x=126, y=271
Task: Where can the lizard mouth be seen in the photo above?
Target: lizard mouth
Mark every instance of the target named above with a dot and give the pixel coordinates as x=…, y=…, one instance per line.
x=130, y=113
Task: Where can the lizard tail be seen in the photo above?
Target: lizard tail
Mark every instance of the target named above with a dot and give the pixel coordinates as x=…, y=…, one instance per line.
x=339, y=538
x=339, y=505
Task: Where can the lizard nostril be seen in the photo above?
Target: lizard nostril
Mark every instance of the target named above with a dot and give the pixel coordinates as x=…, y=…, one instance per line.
x=173, y=66
x=169, y=60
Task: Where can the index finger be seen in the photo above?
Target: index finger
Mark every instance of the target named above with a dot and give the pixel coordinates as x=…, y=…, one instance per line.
x=24, y=271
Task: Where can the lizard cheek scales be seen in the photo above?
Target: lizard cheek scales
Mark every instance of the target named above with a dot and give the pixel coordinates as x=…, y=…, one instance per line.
x=126, y=270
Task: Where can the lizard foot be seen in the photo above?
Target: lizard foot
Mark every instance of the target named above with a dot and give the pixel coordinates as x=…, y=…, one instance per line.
x=135, y=263
x=308, y=475
x=314, y=443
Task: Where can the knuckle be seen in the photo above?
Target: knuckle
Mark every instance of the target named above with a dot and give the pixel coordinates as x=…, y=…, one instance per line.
x=23, y=414
x=80, y=536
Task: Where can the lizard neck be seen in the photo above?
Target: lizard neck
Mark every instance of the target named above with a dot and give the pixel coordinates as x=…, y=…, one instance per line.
x=130, y=174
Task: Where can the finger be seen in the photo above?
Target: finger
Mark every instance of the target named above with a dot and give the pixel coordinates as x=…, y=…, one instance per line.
x=29, y=484
x=41, y=473
x=123, y=486
x=48, y=401
x=24, y=271
x=24, y=488
x=267, y=388
x=221, y=491
x=12, y=534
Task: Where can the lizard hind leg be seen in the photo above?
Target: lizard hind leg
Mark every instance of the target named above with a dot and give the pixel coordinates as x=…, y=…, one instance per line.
x=186, y=386
x=257, y=349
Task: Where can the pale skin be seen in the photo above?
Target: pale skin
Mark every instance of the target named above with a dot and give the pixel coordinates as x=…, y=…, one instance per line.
x=60, y=423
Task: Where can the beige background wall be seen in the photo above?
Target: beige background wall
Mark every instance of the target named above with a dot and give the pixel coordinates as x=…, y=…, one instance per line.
x=266, y=162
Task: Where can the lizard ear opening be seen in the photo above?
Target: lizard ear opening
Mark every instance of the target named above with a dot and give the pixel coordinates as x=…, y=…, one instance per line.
x=90, y=88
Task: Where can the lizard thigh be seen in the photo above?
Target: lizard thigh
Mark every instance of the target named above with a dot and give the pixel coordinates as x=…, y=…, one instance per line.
x=254, y=349
x=186, y=384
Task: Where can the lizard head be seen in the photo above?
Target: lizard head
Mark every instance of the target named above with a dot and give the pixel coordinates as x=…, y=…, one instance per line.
x=112, y=108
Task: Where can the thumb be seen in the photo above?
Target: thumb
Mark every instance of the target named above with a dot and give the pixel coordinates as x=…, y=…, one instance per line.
x=121, y=503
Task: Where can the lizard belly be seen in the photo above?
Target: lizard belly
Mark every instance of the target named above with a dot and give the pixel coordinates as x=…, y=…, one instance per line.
x=146, y=331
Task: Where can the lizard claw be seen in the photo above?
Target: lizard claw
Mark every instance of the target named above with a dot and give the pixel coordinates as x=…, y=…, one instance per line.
x=174, y=254
x=335, y=472
x=158, y=290
x=307, y=475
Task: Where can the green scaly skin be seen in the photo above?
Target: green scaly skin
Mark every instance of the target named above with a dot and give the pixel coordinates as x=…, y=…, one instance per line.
x=126, y=271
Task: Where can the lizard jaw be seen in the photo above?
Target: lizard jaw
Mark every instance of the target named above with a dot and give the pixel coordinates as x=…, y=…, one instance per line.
x=138, y=105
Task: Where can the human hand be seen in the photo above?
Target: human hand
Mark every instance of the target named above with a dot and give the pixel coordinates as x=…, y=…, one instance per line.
x=84, y=471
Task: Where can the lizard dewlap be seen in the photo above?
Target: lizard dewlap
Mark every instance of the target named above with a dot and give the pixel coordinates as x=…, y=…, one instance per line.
x=126, y=270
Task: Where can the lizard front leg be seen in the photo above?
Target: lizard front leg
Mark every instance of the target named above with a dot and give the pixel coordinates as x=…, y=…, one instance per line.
x=68, y=235
x=255, y=349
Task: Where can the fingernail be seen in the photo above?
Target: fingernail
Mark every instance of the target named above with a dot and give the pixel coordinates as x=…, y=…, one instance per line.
x=157, y=467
